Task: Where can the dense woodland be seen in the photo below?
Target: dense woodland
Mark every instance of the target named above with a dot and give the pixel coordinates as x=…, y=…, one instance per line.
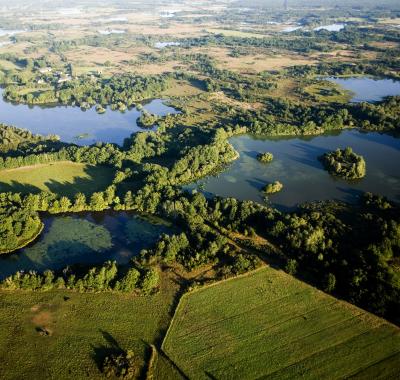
x=344, y=163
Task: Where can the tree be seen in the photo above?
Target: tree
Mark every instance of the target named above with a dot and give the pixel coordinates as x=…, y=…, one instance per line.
x=150, y=281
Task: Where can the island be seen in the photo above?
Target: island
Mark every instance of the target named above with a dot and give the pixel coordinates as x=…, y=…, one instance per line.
x=344, y=163
x=273, y=188
x=265, y=158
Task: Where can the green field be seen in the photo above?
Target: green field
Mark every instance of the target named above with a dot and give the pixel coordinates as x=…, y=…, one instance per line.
x=83, y=329
x=270, y=325
x=235, y=33
x=65, y=178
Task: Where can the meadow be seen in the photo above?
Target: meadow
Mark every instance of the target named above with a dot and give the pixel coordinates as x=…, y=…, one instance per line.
x=82, y=330
x=64, y=178
x=270, y=325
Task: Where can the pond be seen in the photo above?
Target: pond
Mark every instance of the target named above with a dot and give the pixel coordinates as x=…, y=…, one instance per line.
x=77, y=126
x=89, y=238
x=290, y=29
x=5, y=32
x=330, y=28
x=297, y=167
x=162, y=45
x=366, y=89
x=111, y=31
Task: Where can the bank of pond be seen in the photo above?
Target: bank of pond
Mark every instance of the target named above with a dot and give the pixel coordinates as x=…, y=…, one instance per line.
x=366, y=89
x=86, y=239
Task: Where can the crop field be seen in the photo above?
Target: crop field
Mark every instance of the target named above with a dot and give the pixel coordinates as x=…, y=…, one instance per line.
x=270, y=325
x=83, y=329
x=65, y=178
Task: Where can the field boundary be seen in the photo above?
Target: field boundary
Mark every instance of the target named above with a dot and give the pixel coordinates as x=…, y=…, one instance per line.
x=373, y=320
x=36, y=166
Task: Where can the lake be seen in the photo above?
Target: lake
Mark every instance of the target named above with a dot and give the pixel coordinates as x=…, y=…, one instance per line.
x=366, y=89
x=89, y=238
x=70, y=122
x=296, y=165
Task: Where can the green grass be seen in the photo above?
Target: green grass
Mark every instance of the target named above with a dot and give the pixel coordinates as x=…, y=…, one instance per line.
x=235, y=33
x=270, y=325
x=84, y=328
x=64, y=178
x=328, y=92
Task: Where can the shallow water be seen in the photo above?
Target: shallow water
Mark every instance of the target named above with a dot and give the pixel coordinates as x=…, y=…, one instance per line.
x=111, y=31
x=296, y=165
x=90, y=238
x=290, y=29
x=366, y=89
x=71, y=123
x=330, y=28
x=5, y=32
x=162, y=45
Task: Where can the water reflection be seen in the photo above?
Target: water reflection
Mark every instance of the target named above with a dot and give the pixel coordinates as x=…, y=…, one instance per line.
x=368, y=89
x=89, y=238
x=77, y=126
x=296, y=165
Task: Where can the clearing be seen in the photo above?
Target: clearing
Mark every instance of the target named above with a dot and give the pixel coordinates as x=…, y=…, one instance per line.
x=64, y=178
x=66, y=335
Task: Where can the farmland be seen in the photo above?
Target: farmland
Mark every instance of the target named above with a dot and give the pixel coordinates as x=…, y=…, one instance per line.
x=83, y=329
x=270, y=325
x=65, y=178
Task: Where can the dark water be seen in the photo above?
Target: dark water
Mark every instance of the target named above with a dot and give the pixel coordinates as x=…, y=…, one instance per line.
x=90, y=238
x=296, y=165
x=71, y=122
x=366, y=89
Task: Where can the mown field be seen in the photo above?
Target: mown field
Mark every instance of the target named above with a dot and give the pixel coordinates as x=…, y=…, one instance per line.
x=84, y=328
x=270, y=325
x=65, y=178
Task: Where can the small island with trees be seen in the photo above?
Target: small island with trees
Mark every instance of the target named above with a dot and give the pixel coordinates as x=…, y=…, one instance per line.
x=344, y=163
x=273, y=188
x=265, y=158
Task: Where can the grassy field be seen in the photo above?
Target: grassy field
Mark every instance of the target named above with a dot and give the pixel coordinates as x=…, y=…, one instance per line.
x=270, y=325
x=66, y=178
x=84, y=328
x=324, y=92
x=234, y=33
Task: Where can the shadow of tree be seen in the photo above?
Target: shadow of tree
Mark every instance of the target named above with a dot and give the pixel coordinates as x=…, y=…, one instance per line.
x=19, y=187
x=111, y=347
x=309, y=155
x=94, y=178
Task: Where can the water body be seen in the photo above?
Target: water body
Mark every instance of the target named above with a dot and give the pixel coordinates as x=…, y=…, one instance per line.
x=163, y=45
x=290, y=29
x=366, y=89
x=111, y=31
x=330, y=28
x=87, y=239
x=111, y=19
x=296, y=165
x=5, y=32
x=70, y=122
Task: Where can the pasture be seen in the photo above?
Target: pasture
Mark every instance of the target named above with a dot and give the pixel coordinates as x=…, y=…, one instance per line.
x=270, y=325
x=63, y=178
x=83, y=329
